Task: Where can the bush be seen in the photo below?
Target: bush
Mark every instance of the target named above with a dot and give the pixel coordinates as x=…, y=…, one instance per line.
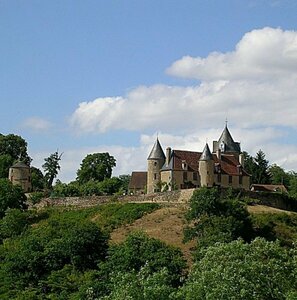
x=11, y=196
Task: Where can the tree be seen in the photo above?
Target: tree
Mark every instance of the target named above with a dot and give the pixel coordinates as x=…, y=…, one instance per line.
x=37, y=179
x=262, y=173
x=139, y=250
x=15, y=146
x=278, y=175
x=12, y=148
x=257, y=167
x=51, y=168
x=11, y=196
x=236, y=270
x=96, y=167
x=217, y=218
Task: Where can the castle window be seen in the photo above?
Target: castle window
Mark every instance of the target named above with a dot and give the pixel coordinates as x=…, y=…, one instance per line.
x=184, y=165
x=155, y=176
x=195, y=176
x=240, y=179
x=230, y=179
x=185, y=176
x=155, y=163
x=219, y=177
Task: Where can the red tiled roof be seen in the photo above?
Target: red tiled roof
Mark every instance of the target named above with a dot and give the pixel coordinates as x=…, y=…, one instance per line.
x=229, y=163
x=138, y=180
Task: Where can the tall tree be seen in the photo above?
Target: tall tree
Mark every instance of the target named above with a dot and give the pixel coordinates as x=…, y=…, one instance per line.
x=257, y=167
x=51, y=168
x=37, y=179
x=96, y=167
x=262, y=172
x=279, y=175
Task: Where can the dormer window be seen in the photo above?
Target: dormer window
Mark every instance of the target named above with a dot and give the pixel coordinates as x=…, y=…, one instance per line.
x=184, y=165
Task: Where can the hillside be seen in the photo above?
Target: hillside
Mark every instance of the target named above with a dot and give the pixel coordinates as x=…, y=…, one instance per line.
x=167, y=224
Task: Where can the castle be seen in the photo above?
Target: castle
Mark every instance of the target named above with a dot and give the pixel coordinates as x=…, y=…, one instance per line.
x=180, y=169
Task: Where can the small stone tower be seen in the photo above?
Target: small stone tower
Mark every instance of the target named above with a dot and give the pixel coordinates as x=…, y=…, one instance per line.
x=155, y=162
x=206, y=168
x=20, y=174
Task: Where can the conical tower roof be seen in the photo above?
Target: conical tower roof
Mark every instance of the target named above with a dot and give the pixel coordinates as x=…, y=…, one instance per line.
x=229, y=144
x=157, y=151
x=206, y=154
x=20, y=165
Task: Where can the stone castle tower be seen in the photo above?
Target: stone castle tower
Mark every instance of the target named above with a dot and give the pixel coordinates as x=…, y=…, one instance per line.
x=206, y=168
x=20, y=174
x=155, y=162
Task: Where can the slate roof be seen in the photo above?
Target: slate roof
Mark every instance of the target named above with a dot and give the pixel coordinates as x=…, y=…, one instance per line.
x=230, y=145
x=20, y=165
x=138, y=180
x=157, y=151
x=206, y=154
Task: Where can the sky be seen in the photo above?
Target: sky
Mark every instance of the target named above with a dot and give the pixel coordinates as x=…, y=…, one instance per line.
x=86, y=76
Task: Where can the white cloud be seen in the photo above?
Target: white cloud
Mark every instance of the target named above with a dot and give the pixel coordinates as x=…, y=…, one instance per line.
x=254, y=86
x=36, y=124
x=261, y=54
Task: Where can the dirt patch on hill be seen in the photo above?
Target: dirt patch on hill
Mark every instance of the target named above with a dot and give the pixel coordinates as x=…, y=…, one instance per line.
x=165, y=224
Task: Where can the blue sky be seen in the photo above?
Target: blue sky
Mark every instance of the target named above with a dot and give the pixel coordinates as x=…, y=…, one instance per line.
x=90, y=76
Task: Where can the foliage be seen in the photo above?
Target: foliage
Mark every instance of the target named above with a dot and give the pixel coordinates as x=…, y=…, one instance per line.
x=51, y=168
x=15, y=146
x=96, y=167
x=258, y=167
x=29, y=259
x=259, y=270
x=277, y=226
x=37, y=179
x=13, y=223
x=36, y=197
x=141, y=285
x=125, y=180
x=11, y=196
x=217, y=217
x=278, y=175
x=139, y=250
x=6, y=161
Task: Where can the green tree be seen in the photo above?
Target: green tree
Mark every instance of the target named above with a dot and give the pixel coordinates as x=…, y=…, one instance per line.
x=51, y=168
x=139, y=250
x=37, y=179
x=11, y=196
x=15, y=146
x=125, y=180
x=262, y=172
x=257, y=167
x=12, y=148
x=6, y=161
x=256, y=271
x=216, y=217
x=279, y=175
x=96, y=167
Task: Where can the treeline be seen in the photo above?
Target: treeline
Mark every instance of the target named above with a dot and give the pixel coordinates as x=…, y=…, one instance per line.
x=263, y=173
x=94, y=177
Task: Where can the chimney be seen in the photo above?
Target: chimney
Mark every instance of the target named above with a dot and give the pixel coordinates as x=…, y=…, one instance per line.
x=241, y=159
x=218, y=152
x=168, y=155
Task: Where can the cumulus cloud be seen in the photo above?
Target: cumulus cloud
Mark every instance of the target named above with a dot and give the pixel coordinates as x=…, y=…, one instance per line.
x=36, y=124
x=254, y=86
x=266, y=53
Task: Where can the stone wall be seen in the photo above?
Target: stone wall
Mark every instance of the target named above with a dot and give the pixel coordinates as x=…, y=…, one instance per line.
x=178, y=197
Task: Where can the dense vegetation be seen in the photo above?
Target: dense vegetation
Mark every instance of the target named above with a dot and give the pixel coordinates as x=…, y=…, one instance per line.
x=66, y=254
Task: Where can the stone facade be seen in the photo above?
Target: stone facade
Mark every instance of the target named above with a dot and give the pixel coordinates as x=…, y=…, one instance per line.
x=20, y=174
x=181, y=169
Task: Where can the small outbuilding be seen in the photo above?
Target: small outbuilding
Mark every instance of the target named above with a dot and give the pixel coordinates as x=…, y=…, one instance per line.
x=271, y=188
x=20, y=174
